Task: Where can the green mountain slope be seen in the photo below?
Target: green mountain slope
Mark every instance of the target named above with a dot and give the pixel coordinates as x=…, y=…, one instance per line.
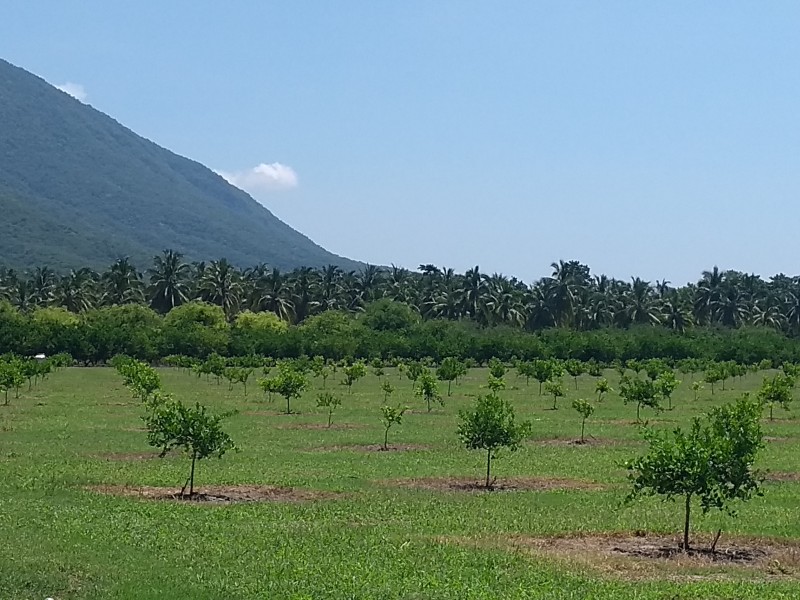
x=79, y=189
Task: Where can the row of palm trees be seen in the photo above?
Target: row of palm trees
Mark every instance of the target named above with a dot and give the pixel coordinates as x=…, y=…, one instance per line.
x=570, y=297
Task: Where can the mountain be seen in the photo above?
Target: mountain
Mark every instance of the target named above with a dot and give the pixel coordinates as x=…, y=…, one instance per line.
x=78, y=189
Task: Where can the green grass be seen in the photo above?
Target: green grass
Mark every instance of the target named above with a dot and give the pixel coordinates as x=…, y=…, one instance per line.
x=374, y=540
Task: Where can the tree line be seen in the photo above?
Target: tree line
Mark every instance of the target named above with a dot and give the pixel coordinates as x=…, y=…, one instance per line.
x=570, y=297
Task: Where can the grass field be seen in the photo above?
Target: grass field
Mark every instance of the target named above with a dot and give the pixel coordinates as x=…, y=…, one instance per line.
x=373, y=533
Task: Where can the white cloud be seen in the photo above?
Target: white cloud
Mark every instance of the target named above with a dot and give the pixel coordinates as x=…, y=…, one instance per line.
x=76, y=90
x=263, y=179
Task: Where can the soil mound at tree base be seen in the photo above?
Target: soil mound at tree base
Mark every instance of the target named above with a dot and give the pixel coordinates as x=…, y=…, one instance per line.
x=217, y=494
x=509, y=484
x=633, y=556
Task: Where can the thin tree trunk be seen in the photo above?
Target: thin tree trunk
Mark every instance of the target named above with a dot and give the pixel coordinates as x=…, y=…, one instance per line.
x=488, y=466
x=638, y=406
x=288, y=408
x=330, y=418
x=191, y=475
x=449, y=383
x=386, y=439
x=686, y=523
x=583, y=426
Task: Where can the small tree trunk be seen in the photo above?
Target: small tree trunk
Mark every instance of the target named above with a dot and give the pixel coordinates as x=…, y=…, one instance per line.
x=576, y=382
x=330, y=417
x=488, y=466
x=288, y=407
x=583, y=427
x=554, y=402
x=449, y=383
x=638, y=410
x=770, y=411
x=191, y=475
x=386, y=439
x=686, y=523
x=428, y=399
x=540, y=388
x=716, y=539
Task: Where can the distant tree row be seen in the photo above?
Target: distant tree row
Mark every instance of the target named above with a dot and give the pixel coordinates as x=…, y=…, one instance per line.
x=384, y=329
x=571, y=297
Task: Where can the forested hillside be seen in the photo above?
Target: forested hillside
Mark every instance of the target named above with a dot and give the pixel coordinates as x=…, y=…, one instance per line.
x=79, y=189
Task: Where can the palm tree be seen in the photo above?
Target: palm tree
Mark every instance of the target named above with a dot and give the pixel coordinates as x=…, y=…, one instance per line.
x=169, y=281
x=303, y=284
x=272, y=293
x=43, y=285
x=221, y=285
x=75, y=291
x=329, y=288
x=121, y=284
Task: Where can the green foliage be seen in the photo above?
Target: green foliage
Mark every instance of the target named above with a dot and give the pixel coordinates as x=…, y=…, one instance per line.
x=665, y=384
x=11, y=377
x=288, y=383
x=388, y=389
x=353, y=373
x=139, y=377
x=171, y=424
x=776, y=391
x=496, y=368
x=714, y=373
x=575, y=368
x=712, y=461
x=601, y=388
x=450, y=370
x=391, y=416
x=697, y=386
x=496, y=384
x=585, y=409
x=642, y=392
x=329, y=401
x=490, y=426
x=428, y=389
x=556, y=390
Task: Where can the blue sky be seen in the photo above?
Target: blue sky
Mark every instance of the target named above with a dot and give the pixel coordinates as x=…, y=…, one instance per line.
x=642, y=138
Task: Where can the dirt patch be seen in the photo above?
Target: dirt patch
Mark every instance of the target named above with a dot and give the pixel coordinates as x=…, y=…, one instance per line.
x=133, y=456
x=373, y=448
x=507, y=484
x=651, y=556
x=783, y=476
x=270, y=413
x=322, y=426
x=773, y=438
x=217, y=494
x=644, y=421
x=588, y=442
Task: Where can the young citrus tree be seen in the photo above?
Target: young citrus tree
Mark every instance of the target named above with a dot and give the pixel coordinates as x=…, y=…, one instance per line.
x=428, y=389
x=666, y=383
x=391, y=416
x=642, y=392
x=288, y=383
x=490, y=426
x=713, y=461
x=585, y=409
x=353, y=373
x=199, y=434
x=602, y=388
x=450, y=370
x=330, y=402
x=776, y=391
x=555, y=389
